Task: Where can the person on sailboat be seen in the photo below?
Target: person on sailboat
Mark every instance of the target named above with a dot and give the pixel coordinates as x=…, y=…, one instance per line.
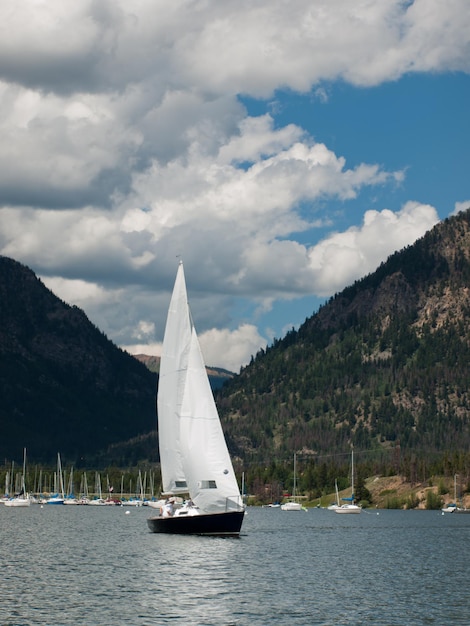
x=168, y=509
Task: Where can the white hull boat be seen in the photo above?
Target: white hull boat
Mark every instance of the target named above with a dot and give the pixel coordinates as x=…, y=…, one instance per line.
x=293, y=505
x=350, y=507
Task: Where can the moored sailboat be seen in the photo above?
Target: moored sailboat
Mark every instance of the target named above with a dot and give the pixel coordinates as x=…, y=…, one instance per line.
x=98, y=500
x=20, y=499
x=70, y=496
x=350, y=506
x=335, y=505
x=293, y=504
x=452, y=506
x=193, y=452
x=59, y=496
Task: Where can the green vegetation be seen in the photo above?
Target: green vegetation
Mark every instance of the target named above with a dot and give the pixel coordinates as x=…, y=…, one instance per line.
x=383, y=366
x=433, y=501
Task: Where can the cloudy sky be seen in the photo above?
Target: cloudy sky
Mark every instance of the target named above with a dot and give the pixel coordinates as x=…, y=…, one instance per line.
x=282, y=149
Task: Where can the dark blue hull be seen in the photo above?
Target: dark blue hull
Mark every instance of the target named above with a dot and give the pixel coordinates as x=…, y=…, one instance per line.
x=216, y=524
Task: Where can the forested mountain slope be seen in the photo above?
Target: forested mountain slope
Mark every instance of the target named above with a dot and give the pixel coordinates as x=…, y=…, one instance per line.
x=384, y=365
x=64, y=387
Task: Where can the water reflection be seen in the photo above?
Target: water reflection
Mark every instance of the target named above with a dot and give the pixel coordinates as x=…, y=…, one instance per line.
x=193, y=579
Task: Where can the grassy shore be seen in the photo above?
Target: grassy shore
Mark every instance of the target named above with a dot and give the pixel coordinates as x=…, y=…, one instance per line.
x=394, y=492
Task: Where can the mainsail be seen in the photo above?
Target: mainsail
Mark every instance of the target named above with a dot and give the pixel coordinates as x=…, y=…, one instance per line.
x=172, y=380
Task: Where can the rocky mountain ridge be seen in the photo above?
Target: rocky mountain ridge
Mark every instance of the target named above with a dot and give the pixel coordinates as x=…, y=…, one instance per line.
x=383, y=366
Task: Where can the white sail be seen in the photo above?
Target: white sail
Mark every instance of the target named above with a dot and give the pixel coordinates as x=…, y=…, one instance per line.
x=193, y=453
x=172, y=377
x=208, y=468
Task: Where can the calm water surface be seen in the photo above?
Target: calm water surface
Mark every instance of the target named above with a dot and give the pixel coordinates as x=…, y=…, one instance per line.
x=100, y=565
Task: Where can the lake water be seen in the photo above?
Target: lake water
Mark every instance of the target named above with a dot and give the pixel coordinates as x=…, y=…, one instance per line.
x=100, y=565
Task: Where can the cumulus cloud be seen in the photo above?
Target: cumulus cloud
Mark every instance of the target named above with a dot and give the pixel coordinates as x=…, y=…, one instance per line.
x=461, y=206
x=124, y=144
x=225, y=348
x=220, y=48
x=342, y=258
x=95, y=91
x=236, y=346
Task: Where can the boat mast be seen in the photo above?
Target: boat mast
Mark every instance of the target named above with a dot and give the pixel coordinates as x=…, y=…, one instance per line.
x=295, y=462
x=60, y=477
x=352, y=475
x=23, y=486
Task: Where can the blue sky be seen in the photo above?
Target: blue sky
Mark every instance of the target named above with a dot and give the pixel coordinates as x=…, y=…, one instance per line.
x=418, y=124
x=282, y=151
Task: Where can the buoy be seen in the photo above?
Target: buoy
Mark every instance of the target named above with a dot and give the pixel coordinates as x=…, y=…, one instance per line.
x=127, y=512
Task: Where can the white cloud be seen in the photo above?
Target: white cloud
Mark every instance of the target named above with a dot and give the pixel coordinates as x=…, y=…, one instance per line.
x=78, y=292
x=461, y=206
x=342, y=258
x=123, y=144
x=95, y=91
x=220, y=47
x=144, y=330
x=230, y=349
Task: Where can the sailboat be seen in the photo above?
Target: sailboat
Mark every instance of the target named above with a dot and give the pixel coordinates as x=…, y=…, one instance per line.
x=335, y=505
x=84, y=495
x=351, y=506
x=193, y=453
x=22, y=498
x=452, y=506
x=59, y=496
x=70, y=497
x=293, y=505
x=98, y=499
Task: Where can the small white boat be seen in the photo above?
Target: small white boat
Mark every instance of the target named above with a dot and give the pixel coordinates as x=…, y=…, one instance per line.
x=59, y=496
x=452, y=506
x=70, y=498
x=21, y=499
x=335, y=505
x=293, y=505
x=350, y=506
x=97, y=502
x=132, y=502
x=18, y=501
x=55, y=499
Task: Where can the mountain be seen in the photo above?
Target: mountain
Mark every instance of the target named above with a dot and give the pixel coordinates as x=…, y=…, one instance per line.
x=63, y=385
x=217, y=375
x=383, y=366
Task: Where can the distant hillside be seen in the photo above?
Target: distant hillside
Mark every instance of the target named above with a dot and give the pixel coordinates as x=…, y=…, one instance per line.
x=63, y=385
x=217, y=375
x=384, y=365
